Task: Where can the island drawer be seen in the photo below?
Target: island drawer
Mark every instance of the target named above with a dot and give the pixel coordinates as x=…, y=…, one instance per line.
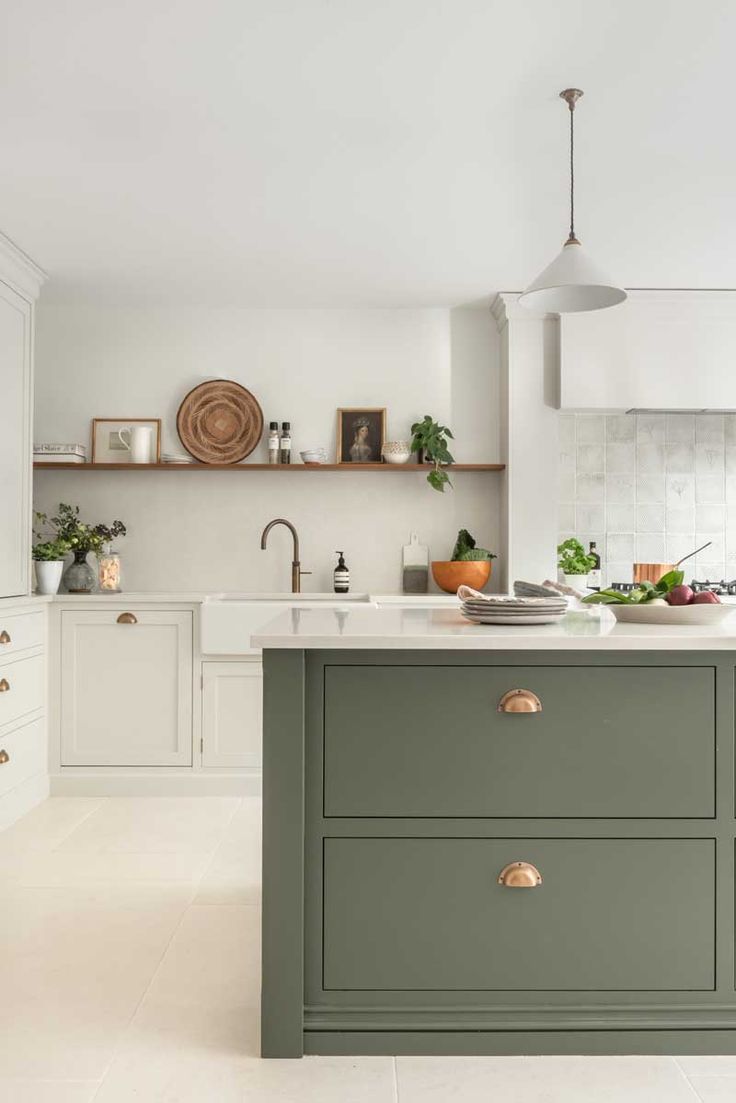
x=609, y=742
x=21, y=687
x=421, y=914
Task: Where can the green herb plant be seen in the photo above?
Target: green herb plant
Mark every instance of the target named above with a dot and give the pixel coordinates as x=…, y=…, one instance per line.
x=76, y=535
x=465, y=550
x=645, y=592
x=50, y=551
x=572, y=557
x=430, y=437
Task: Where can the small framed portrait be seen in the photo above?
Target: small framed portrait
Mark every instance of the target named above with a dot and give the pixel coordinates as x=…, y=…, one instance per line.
x=360, y=435
x=126, y=440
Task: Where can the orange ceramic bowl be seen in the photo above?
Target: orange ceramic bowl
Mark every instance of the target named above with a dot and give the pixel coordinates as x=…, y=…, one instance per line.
x=449, y=575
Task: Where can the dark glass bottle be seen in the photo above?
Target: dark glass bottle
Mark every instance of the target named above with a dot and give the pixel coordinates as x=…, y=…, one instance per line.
x=594, y=575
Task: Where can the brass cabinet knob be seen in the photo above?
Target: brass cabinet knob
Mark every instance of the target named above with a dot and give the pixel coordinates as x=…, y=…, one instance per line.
x=4, y=636
x=127, y=618
x=4, y=685
x=520, y=875
x=4, y=757
x=519, y=700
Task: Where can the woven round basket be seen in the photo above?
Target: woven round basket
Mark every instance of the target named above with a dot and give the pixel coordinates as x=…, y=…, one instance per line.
x=219, y=422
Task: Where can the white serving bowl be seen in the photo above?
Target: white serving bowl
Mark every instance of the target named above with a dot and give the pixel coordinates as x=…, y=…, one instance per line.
x=314, y=455
x=671, y=614
x=396, y=451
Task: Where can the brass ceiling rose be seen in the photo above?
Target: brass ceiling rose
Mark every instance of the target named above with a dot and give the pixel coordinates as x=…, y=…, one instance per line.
x=219, y=422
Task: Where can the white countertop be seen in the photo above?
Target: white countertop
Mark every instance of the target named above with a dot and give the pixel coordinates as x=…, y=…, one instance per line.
x=426, y=629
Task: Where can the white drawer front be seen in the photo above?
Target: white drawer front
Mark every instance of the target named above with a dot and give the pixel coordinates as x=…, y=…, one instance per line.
x=26, y=751
x=19, y=631
x=21, y=688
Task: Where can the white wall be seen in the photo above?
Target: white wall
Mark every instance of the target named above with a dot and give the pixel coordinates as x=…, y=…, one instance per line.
x=201, y=530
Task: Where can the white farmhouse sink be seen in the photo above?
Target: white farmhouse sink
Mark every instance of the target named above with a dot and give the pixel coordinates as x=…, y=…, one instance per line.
x=227, y=621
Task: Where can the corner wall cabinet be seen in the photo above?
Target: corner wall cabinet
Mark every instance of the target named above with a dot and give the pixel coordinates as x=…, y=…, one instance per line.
x=126, y=687
x=15, y=442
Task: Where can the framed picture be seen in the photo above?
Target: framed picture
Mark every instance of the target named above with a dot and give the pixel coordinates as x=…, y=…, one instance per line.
x=360, y=435
x=126, y=440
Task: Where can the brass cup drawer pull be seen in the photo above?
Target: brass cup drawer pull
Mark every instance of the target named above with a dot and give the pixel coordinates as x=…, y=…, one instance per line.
x=4, y=757
x=4, y=637
x=519, y=700
x=4, y=685
x=127, y=618
x=520, y=875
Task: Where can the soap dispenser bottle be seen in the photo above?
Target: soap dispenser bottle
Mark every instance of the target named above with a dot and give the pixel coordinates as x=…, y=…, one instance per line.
x=342, y=575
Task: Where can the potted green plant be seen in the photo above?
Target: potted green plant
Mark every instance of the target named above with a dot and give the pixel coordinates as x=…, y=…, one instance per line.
x=575, y=563
x=469, y=565
x=429, y=441
x=82, y=538
x=48, y=557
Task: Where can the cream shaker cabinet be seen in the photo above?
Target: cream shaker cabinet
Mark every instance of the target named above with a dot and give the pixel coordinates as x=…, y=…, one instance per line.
x=232, y=695
x=15, y=442
x=126, y=687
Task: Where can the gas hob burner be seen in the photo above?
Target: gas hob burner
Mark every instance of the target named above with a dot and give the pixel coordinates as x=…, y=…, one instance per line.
x=722, y=588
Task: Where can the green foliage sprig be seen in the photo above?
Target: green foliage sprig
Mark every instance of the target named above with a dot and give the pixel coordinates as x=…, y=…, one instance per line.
x=465, y=550
x=644, y=592
x=76, y=535
x=49, y=551
x=430, y=437
x=573, y=558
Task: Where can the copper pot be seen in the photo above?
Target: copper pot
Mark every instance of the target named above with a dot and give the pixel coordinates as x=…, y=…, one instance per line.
x=651, y=572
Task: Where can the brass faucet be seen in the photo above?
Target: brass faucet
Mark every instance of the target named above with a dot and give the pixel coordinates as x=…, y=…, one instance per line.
x=296, y=571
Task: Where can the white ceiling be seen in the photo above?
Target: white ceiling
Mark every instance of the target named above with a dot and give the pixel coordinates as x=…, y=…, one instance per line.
x=366, y=152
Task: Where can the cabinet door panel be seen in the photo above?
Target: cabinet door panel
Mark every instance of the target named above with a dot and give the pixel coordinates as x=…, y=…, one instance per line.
x=15, y=442
x=609, y=915
x=126, y=689
x=232, y=714
x=430, y=741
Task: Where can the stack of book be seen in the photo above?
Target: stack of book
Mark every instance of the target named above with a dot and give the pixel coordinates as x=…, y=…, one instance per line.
x=59, y=453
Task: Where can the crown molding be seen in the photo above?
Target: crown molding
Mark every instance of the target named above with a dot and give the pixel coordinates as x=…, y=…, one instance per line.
x=18, y=270
x=506, y=308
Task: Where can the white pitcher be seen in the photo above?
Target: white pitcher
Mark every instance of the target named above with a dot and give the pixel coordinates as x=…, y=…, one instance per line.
x=139, y=442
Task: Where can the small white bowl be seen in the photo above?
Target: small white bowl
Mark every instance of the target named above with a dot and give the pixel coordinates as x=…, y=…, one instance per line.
x=314, y=455
x=396, y=451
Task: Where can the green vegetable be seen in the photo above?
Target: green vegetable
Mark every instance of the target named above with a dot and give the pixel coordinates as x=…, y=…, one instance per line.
x=465, y=550
x=646, y=591
x=572, y=557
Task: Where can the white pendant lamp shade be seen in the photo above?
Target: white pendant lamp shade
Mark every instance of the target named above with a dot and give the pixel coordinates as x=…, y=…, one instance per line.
x=573, y=282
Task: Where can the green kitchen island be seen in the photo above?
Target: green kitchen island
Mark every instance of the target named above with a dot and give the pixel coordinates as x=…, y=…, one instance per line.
x=486, y=840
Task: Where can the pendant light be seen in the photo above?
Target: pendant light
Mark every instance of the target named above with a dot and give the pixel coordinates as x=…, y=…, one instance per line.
x=572, y=282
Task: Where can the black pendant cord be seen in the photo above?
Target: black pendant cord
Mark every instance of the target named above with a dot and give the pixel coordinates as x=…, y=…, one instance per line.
x=572, y=174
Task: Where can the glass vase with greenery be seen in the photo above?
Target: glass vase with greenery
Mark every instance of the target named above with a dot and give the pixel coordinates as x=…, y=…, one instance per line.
x=429, y=440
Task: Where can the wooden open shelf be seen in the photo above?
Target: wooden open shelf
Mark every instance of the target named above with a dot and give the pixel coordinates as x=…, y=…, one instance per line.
x=41, y=466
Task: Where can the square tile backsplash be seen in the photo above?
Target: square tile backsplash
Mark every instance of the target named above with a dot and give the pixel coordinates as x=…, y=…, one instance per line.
x=650, y=488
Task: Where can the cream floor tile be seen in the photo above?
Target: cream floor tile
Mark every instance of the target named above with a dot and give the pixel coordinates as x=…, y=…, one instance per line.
x=47, y=825
x=200, y=1012
x=47, y=1091
x=234, y=874
x=163, y=825
x=541, y=1080
x=249, y=1080
x=82, y=960
x=708, y=1066
x=67, y=868
x=715, y=1089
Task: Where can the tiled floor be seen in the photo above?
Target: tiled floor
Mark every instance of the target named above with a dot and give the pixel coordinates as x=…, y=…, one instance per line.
x=129, y=971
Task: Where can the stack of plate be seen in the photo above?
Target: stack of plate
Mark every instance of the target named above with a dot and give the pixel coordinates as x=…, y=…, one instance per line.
x=504, y=609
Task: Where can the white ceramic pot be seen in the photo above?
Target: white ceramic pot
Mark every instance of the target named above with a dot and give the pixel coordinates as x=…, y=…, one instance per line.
x=48, y=575
x=396, y=451
x=577, y=581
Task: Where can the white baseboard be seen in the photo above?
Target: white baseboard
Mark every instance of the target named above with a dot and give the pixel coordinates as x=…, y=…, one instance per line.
x=70, y=784
x=22, y=799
